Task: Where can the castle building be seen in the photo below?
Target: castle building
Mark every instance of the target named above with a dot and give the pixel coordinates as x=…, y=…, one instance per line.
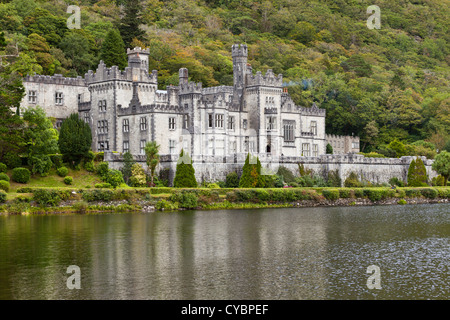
x=125, y=110
x=343, y=144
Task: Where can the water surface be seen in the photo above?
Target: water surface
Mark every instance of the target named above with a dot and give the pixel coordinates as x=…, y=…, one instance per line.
x=301, y=253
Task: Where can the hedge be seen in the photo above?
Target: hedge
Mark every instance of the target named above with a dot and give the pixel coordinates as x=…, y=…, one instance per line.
x=4, y=185
x=50, y=197
x=331, y=194
x=21, y=175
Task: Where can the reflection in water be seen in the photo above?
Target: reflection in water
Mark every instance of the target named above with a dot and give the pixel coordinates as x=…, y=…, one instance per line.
x=306, y=253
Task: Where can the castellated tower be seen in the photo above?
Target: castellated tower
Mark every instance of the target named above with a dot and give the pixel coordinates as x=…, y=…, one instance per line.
x=239, y=52
x=138, y=58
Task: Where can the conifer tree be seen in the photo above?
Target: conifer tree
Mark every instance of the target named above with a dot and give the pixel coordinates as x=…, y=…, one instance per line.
x=251, y=174
x=129, y=25
x=113, y=50
x=185, y=174
x=152, y=158
x=417, y=174
x=75, y=139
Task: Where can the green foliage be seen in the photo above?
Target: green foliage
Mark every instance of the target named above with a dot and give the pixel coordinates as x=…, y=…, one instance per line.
x=430, y=193
x=21, y=175
x=396, y=182
x=131, y=21
x=185, y=173
x=352, y=181
x=3, y=167
x=4, y=176
x=286, y=174
x=75, y=139
x=62, y=172
x=113, y=50
x=128, y=162
x=138, y=177
x=213, y=186
x=185, y=199
x=438, y=181
x=441, y=165
x=49, y=197
x=417, y=174
x=2, y=196
x=68, y=180
x=232, y=180
x=103, y=185
x=102, y=169
x=114, y=178
x=97, y=195
x=57, y=160
x=251, y=173
x=333, y=179
x=89, y=166
x=163, y=204
x=331, y=194
x=402, y=202
x=152, y=158
x=4, y=185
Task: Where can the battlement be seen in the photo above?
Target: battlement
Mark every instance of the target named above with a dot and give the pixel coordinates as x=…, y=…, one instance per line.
x=239, y=50
x=313, y=111
x=56, y=79
x=138, y=50
x=150, y=108
x=338, y=137
x=219, y=89
x=268, y=80
x=106, y=74
x=190, y=87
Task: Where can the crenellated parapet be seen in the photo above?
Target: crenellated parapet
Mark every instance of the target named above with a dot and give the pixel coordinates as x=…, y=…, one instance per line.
x=219, y=89
x=56, y=79
x=313, y=111
x=190, y=87
x=268, y=80
x=104, y=73
x=150, y=108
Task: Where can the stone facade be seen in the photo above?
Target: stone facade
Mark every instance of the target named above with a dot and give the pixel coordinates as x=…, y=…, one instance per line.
x=343, y=144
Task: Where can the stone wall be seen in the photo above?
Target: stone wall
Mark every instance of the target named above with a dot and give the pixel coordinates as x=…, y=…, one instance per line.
x=211, y=169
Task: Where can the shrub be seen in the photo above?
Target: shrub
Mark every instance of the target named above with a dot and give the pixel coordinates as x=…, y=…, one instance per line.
x=103, y=185
x=89, y=156
x=62, y=171
x=344, y=193
x=352, y=181
x=331, y=194
x=333, y=178
x=438, y=181
x=213, y=186
x=68, y=180
x=80, y=206
x=97, y=195
x=2, y=196
x=287, y=174
x=402, y=201
x=359, y=193
x=99, y=156
x=263, y=195
x=251, y=173
x=21, y=175
x=12, y=160
x=46, y=197
x=417, y=174
x=89, y=166
x=185, y=173
x=165, y=205
x=4, y=185
x=375, y=194
x=57, y=160
x=114, y=178
x=430, y=193
x=396, y=182
x=185, y=199
x=3, y=167
x=444, y=193
x=4, y=177
x=411, y=193
x=102, y=169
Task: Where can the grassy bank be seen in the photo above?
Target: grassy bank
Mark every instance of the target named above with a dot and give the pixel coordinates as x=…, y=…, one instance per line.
x=38, y=200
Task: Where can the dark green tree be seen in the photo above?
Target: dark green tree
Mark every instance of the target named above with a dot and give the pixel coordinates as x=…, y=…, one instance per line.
x=152, y=159
x=417, y=174
x=75, y=139
x=113, y=51
x=128, y=162
x=329, y=149
x=251, y=174
x=129, y=24
x=185, y=174
x=442, y=165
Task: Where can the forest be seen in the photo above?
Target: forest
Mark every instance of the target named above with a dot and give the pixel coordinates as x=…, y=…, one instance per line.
x=389, y=86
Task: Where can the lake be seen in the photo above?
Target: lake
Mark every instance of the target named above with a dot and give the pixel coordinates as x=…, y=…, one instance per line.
x=286, y=253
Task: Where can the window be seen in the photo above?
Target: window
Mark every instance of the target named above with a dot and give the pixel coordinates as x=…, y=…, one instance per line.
x=86, y=117
x=246, y=144
x=219, y=120
x=185, y=121
x=171, y=123
x=315, y=150
x=32, y=96
x=231, y=123
x=59, y=98
x=126, y=146
x=271, y=123
x=288, y=130
x=102, y=106
x=103, y=145
x=210, y=120
x=80, y=97
x=355, y=145
x=244, y=124
x=102, y=126
x=172, y=146
x=143, y=123
x=142, y=146
x=305, y=150
x=233, y=146
x=314, y=127
x=126, y=125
